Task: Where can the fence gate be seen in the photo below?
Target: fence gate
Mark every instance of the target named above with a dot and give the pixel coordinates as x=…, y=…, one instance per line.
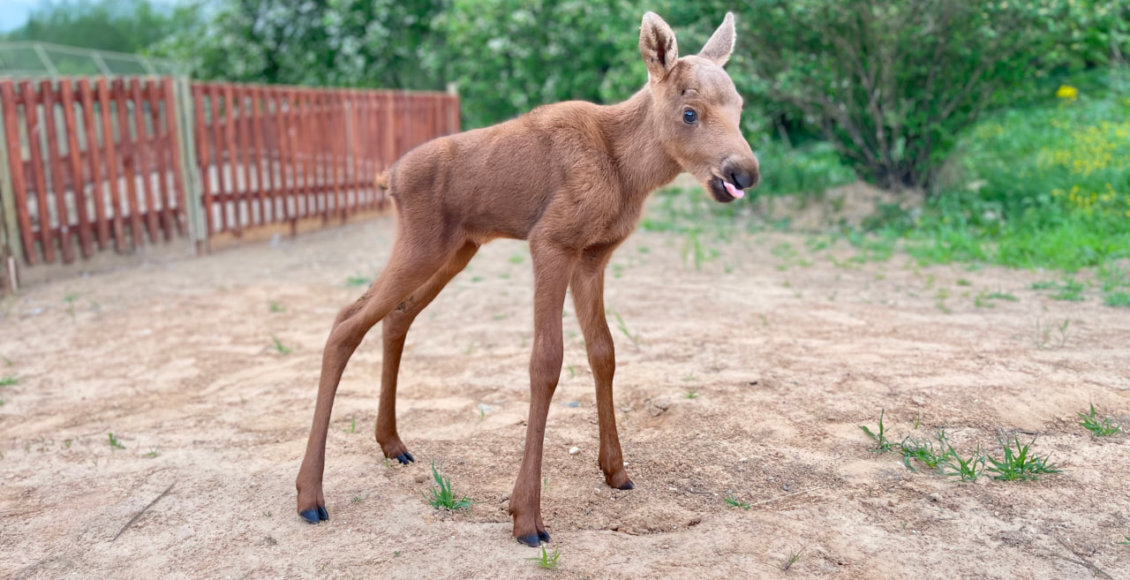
x=115, y=164
x=92, y=165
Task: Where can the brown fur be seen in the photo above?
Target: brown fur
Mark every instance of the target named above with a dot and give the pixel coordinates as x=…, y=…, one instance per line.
x=570, y=178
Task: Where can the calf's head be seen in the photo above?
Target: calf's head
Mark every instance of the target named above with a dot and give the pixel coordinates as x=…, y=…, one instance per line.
x=698, y=110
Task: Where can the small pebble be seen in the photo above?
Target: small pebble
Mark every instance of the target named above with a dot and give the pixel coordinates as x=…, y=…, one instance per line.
x=573, y=404
x=574, y=450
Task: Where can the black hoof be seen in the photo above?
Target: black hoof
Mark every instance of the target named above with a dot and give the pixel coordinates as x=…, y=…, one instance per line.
x=311, y=516
x=405, y=458
x=323, y=514
x=543, y=536
x=531, y=540
x=627, y=486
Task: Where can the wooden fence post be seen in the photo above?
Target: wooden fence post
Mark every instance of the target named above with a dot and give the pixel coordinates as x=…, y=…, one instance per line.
x=9, y=233
x=190, y=176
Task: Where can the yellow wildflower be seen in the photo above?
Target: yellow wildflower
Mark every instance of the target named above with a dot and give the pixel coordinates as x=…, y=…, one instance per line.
x=1067, y=92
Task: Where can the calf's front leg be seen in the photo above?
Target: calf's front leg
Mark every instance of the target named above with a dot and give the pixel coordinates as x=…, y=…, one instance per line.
x=552, y=269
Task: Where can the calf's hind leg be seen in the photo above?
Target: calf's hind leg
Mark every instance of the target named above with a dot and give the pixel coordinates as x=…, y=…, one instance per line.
x=412, y=263
x=395, y=330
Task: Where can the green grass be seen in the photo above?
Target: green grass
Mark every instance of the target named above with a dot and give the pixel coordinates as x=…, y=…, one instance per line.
x=547, y=561
x=114, y=443
x=153, y=452
x=925, y=453
x=623, y=327
x=279, y=346
x=691, y=394
x=882, y=444
x=442, y=496
x=276, y=307
x=967, y=470
x=1019, y=464
x=357, y=281
x=791, y=560
x=735, y=502
x=9, y=380
x=1097, y=427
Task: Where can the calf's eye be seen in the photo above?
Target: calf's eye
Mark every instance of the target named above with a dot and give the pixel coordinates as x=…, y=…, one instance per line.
x=689, y=117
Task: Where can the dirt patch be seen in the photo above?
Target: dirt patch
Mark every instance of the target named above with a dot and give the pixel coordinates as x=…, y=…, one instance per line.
x=786, y=354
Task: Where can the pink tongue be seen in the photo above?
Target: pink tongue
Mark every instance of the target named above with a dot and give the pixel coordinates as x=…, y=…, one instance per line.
x=733, y=190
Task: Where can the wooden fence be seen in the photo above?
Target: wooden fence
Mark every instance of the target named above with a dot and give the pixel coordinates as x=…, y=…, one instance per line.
x=101, y=164
x=270, y=155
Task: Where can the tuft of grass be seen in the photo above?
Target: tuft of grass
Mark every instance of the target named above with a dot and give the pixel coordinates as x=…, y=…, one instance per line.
x=441, y=495
x=1069, y=290
x=276, y=307
x=279, y=346
x=352, y=425
x=623, y=327
x=692, y=394
x=792, y=559
x=70, y=299
x=114, y=443
x=735, y=502
x=967, y=469
x=1019, y=464
x=882, y=445
x=925, y=453
x=9, y=380
x=1051, y=336
x=517, y=259
x=546, y=561
x=153, y=452
x=357, y=281
x=1098, y=428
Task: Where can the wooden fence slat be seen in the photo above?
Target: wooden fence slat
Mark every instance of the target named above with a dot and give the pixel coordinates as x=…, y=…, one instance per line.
x=78, y=182
x=223, y=180
x=262, y=180
x=304, y=152
x=175, y=151
x=127, y=147
x=283, y=144
x=236, y=225
x=97, y=194
x=118, y=225
x=35, y=151
x=10, y=101
x=160, y=146
x=55, y=163
x=201, y=130
x=239, y=109
x=143, y=165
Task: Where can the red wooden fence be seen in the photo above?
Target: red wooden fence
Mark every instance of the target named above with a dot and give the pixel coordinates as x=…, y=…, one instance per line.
x=280, y=154
x=97, y=164
x=92, y=164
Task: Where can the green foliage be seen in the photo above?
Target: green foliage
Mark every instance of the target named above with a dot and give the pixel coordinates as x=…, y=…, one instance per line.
x=1098, y=427
x=966, y=469
x=114, y=443
x=735, y=502
x=882, y=445
x=1019, y=464
x=114, y=25
x=925, y=453
x=441, y=495
x=547, y=561
x=509, y=56
x=9, y=380
x=891, y=84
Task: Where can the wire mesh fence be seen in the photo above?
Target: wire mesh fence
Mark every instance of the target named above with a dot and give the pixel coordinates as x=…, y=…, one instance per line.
x=42, y=59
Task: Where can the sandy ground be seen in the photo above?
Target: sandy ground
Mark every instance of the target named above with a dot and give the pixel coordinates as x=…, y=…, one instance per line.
x=785, y=352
